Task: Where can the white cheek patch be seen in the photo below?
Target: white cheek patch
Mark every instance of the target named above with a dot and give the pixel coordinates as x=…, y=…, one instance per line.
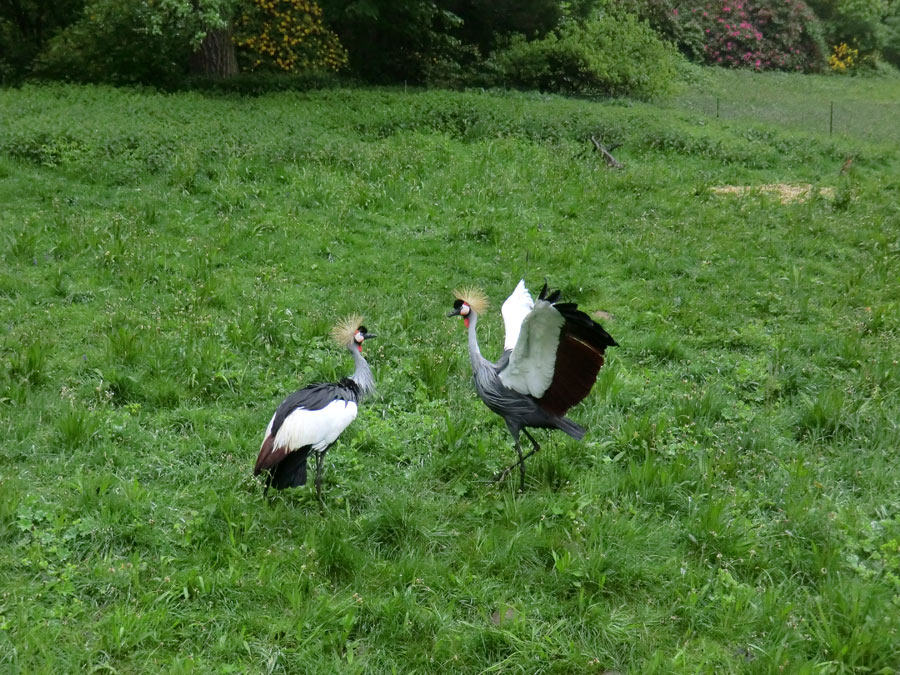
x=464, y=310
x=359, y=337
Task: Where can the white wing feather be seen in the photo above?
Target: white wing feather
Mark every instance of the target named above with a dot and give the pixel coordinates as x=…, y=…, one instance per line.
x=514, y=311
x=318, y=428
x=533, y=359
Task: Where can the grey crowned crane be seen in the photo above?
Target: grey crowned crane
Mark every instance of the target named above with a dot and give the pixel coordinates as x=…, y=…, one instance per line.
x=551, y=355
x=311, y=419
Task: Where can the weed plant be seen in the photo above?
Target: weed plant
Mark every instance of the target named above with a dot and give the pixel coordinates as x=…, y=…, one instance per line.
x=171, y=265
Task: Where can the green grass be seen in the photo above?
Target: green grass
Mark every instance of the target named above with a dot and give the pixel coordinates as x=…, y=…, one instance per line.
x=171, y=265
x=850, y=107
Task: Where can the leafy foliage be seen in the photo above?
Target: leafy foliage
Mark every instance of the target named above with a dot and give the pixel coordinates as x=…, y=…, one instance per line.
x=395, y=40
x=858, y=23
x=486, y=23
x=289, y=36
x=131, y=42
x=549, y=44
x=757, y=34
x=891, y=47
x=843, y=58
x=25, y=28
x=607, y=55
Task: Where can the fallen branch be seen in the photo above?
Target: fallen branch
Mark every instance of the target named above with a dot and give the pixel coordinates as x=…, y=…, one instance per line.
x=611, y=161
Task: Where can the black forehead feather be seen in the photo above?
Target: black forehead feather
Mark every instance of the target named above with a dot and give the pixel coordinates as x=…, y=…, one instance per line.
x=457, y=303
x=363, y=329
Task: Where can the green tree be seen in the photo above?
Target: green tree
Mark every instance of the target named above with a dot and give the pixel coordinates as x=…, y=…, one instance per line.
x=859, y=23
x=891, y=49
x=287, y=36
x=394, y=40
x=148, y=41
x=25, y=28
x=486, y=21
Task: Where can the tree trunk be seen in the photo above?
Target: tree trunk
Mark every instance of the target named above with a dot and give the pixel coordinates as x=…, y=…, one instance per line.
x=216, y=56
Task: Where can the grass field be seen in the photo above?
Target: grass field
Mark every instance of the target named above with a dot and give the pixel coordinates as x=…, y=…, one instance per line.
x=171, y=265
x=850, y=108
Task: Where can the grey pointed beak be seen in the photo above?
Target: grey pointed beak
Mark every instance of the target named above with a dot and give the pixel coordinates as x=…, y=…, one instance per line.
x=455, y=312
x=369, y=336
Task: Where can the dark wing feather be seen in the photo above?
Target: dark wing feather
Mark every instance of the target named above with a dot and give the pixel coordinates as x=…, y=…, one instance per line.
x=579, y=357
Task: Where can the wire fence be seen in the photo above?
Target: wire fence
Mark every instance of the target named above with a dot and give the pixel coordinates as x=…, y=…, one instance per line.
x=873, y=122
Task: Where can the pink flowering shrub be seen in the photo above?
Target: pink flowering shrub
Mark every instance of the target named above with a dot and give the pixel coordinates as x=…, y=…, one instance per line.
x=758, y=34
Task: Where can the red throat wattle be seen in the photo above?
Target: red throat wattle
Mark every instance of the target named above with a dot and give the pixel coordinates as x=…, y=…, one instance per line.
x=466, y=321
x=359, y=347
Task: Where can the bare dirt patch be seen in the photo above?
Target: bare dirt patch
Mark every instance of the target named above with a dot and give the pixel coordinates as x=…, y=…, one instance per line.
x=786, y=193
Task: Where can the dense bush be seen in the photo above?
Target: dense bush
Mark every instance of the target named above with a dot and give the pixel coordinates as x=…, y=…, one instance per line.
x=577, y=46
x=121, y=41
x=484, y=22
x=759, y=34
x=858, y=23
x=25, y=28
x=872, y=27
x=843, y=58
x=289, y=36
x=111, y=43
x=264, y=82
x=607, y=55
x=891, y=49
x=395, y=40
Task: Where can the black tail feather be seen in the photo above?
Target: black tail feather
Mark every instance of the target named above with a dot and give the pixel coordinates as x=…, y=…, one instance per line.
x=576, y=431
x=548, y=295
x=291, y=471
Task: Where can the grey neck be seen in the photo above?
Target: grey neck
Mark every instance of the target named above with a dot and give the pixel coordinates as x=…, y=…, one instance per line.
x=478, y=361
x=362, y=374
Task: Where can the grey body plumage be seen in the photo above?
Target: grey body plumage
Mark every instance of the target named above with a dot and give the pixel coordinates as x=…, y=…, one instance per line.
x=517, y=410
x=552, y=366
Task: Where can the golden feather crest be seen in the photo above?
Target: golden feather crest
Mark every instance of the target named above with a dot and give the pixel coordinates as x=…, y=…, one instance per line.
x=345, y=329
x=473, y=297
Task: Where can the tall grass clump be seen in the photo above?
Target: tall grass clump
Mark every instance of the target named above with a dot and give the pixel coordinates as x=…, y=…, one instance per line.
x=826, y=414
x=28, y=363
x=77, y=428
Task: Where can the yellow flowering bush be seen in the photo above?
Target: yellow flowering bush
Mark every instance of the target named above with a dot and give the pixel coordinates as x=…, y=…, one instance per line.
x=843, y=58
x=287, y=36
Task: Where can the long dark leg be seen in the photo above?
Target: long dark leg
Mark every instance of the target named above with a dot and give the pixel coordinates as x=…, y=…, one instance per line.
x=521, y=463
x=320, y=460
x=534, y=444
x=521, y=466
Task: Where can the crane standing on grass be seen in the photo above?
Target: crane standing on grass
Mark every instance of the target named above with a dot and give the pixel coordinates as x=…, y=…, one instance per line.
x=551, y=355
x=311, y=419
